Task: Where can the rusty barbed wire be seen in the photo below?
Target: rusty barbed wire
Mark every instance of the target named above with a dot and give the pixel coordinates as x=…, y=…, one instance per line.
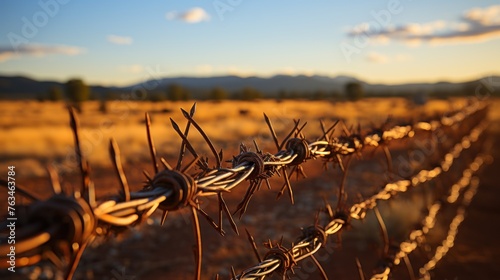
x=314, y=237
x=448, y=242
x=417, y=236
x=358, y=210
x=59, y=229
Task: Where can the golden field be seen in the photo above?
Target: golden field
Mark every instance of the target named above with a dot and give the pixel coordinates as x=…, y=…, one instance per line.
x=35, y=134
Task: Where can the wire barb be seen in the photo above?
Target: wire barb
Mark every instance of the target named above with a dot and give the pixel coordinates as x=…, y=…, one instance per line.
x=84, y=169
x=114, y=153
x=175, y=188
x=152, y=149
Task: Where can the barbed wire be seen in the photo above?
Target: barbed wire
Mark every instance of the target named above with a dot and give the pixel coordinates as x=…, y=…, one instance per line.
x=59, y=229
x=417, y=236
x=449, y=240
x=358, y=210
x=279, y=259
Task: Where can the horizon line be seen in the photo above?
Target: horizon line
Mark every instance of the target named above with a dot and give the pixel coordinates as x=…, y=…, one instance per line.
x=261, y=76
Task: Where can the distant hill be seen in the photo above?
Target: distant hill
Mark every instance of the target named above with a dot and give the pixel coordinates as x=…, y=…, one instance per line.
x=23, y=88
x=310, y=84
x=18, y=87
x=270, y=85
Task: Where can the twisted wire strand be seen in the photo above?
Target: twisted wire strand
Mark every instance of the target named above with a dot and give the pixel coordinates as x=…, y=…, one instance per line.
x=315, y=236
x=312, y=239
x=358, y=210
x=351, y=145
x=78, y=218
x=224, y=179
x=449, y=241
x=417, y=236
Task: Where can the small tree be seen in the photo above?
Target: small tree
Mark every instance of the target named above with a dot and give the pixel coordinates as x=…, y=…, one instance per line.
x=176, y=92
x=218, y=94
x=77, y=92
x=157, y=97
x=478, y=88
x=354, y=91
x=112, y=95
x=55, y=93
x=420, y=98
x=249, y=93
x=103, y=102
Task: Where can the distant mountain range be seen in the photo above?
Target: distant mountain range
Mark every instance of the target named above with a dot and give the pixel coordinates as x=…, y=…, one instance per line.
x=18, y=87
x=270, y=85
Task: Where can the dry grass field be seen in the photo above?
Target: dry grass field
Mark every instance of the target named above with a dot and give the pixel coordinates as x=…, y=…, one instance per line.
x=35, y=134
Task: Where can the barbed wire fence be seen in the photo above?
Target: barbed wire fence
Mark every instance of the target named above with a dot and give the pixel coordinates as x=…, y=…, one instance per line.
x=59, y=229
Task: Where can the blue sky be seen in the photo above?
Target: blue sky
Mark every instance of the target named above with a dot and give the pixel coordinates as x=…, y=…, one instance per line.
x=123, y=42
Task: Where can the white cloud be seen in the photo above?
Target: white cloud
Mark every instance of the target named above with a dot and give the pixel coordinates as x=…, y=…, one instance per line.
x=37, y=50
x=426, y=28
x=460, y=26
x=486, y=16
x=193, y=15
x=380, y=40
x=134, y=68
x=476, y=25
x=119, y=40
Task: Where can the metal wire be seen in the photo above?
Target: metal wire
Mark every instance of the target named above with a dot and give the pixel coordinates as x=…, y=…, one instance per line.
x=417, y=236
x=74, y=221
x=315, y=236
x=449, y=241
x=358, y=210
